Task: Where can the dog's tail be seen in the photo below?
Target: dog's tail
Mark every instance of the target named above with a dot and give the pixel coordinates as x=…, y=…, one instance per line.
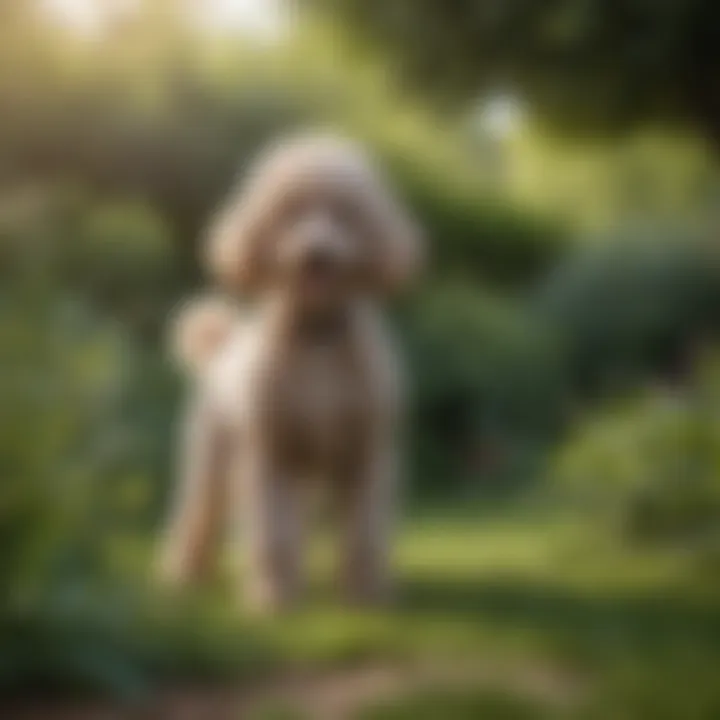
x=199, y=329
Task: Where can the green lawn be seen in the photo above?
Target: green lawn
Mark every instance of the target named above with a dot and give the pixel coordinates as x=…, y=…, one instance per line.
x=503, y=618
x=495, y=618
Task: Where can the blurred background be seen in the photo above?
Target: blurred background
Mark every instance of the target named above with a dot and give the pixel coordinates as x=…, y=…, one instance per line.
x=561, y=551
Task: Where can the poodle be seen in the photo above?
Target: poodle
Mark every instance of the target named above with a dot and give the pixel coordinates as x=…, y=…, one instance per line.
x=303, y=389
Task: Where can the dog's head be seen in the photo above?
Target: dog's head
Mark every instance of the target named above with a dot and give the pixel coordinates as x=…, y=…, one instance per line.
x=315, y=219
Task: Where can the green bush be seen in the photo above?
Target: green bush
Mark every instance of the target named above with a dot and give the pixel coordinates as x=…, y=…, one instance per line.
x=473, y=236
x=633, y=305
x=114, y=256
x=652, y=467
x=489, y=391
x=84, y=440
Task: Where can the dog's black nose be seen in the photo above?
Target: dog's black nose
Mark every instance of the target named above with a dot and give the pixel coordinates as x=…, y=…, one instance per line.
x=319, y=261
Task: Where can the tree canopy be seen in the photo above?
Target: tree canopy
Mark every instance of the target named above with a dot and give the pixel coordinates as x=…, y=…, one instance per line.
x=598, y=65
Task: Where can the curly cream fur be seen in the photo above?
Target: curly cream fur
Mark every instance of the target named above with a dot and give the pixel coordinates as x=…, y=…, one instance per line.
x=305, y=389
x=236, y=240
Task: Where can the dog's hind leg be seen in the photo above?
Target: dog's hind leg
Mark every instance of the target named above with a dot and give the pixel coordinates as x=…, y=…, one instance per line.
x=198, y=517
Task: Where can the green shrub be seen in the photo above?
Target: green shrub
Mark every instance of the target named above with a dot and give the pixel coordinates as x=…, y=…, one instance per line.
x=116, y=257
x=634, y=305
x=489, y=392
x=473, y=236
x=652, y=466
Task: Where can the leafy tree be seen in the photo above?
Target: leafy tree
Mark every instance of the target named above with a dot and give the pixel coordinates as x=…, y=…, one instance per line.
x=597, y=64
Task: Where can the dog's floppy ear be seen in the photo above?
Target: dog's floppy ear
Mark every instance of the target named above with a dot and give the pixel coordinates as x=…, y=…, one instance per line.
x=234, y=252
x=236, y=249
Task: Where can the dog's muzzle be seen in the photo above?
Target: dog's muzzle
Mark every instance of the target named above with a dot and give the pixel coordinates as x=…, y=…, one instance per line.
x=320, y=262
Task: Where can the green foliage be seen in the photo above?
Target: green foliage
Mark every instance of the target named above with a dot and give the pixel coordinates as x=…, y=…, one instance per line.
x=661, y=176
x=113, y=257
x=78, y=469
x=637, y=303
x=65, y=641
x=586, y=64
x=477, y=237
x=489, y=387
x=87, y=405
x=653, y=467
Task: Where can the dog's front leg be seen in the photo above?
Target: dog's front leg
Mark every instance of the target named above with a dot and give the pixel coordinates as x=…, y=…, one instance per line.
x=273, y=511
x=198, y=516
x=367, y=517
